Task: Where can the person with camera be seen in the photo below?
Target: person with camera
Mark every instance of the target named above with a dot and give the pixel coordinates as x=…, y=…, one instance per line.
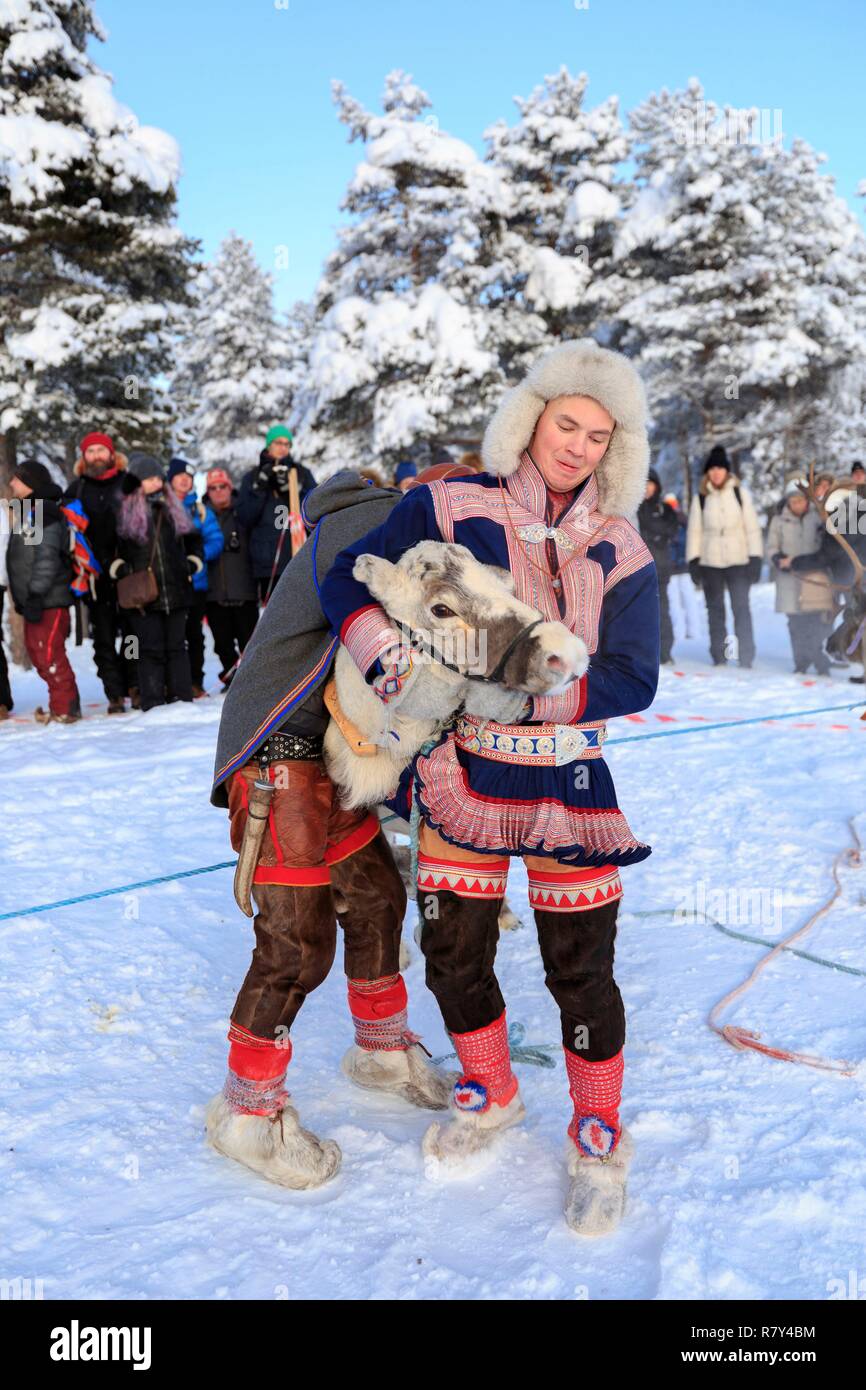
x=268, y=506
x=232, y=606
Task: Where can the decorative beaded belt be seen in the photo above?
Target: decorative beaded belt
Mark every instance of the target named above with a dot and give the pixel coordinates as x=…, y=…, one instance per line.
x=543, y=745
x=287, y=748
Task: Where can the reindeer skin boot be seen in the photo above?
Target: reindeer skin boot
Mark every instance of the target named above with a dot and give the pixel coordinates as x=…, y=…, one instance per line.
x=485, y=1100
x=252, y=1121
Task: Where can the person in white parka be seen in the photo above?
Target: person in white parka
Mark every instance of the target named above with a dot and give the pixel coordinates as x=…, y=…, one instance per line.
x=724, y=549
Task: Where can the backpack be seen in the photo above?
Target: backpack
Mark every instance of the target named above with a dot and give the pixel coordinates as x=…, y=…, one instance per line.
x=702, y=497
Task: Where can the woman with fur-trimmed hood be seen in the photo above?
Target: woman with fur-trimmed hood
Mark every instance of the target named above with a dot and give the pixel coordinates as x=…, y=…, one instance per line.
x=566, y=458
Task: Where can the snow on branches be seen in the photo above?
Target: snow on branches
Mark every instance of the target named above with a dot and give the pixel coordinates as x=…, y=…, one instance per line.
x=232, y=380
x=93, y=269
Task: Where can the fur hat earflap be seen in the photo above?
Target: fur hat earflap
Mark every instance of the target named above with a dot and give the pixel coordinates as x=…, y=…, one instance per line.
x=579, y=368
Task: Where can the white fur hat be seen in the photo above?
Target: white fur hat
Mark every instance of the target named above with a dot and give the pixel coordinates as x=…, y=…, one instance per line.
x=579, y=368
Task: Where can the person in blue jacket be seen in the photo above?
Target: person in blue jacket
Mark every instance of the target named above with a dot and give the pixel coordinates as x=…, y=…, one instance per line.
x=566, y=458
x=181, y=480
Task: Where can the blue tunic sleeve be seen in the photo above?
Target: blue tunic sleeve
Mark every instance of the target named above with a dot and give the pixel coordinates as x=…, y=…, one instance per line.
x=624, y=672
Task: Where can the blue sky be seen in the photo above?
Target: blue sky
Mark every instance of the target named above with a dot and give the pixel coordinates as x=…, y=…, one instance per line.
x=244, y=86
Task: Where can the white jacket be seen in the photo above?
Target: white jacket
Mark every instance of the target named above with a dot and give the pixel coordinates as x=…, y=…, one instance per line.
x=724, y=532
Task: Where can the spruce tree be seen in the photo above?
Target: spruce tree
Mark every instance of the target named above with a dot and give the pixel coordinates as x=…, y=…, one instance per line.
x=399, y=359
x=560, y=161
x=738, y=279
x=93, y=271
x=231, y=381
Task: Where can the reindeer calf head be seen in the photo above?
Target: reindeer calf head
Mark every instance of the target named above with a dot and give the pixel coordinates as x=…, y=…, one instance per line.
x=465, y=614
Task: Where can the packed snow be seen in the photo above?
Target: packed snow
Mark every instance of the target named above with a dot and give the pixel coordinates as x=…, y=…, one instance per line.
x=748, y=1176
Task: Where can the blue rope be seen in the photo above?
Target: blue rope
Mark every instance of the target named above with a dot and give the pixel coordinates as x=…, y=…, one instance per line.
x=537, y=1054
x=414, y=823
x=732, y=723
x=110, y=892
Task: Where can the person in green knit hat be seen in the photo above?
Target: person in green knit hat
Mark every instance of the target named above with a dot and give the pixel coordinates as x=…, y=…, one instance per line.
x=264, y=508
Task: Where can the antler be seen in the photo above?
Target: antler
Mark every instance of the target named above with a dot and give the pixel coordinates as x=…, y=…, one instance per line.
x=809, y=491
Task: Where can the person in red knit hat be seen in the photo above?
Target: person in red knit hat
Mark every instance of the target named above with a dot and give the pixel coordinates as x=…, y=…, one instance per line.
x=96, y=486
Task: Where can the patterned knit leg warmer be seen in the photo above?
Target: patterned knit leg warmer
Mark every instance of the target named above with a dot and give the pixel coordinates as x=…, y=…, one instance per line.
x=596, y=1090
x=486, y=1077
x=256, y=1074
x=379, y=1013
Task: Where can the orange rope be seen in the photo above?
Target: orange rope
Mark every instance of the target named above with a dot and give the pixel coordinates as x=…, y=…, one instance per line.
x=742, y=1038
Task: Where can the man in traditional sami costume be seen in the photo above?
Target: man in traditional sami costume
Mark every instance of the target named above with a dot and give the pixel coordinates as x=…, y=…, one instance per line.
x=566, y=458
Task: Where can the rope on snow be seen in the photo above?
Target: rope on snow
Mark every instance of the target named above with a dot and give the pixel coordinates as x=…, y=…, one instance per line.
x=742, y=1038
x=536, y=1054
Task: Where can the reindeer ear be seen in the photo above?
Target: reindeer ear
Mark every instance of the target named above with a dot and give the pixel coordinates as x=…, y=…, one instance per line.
x=375, y=572
x=387, y=583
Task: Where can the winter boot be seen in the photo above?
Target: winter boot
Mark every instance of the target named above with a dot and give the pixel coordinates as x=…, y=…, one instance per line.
x=42, y=716
x=600, y=1151
x=198, y=693
x=251, y=1119
x=134, y=697
x=117, y=705
x=596, y=1197
x=386, y=1056
x=485, y=1100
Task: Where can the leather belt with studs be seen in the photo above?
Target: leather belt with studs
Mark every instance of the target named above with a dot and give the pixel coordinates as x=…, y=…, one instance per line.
x=286, y=748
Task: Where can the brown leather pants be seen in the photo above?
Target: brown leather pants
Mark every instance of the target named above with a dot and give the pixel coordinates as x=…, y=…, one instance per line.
x=319, y=864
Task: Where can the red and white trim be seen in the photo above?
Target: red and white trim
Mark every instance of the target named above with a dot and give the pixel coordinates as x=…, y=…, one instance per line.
x=565, y=708
x=366, y=634
x=506, y=824
x=574, y=890
x=485, y=1060
x=486, y=880
x=255, y=1082
x=379, y=1010
x=596, y=1090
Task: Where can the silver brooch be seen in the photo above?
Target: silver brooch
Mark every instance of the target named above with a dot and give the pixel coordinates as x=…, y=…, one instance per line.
x=538, y=532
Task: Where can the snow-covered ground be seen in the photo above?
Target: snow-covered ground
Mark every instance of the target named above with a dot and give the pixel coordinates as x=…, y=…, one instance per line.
x=748, y=1180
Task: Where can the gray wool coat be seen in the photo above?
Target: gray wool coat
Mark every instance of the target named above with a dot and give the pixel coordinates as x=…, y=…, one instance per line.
x=791, y=535
x=281, y=677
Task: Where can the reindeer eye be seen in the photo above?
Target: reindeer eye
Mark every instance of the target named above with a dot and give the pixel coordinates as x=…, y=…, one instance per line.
x=441, y=610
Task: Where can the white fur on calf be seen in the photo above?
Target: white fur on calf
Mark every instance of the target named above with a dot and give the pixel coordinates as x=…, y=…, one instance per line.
x=432, y=575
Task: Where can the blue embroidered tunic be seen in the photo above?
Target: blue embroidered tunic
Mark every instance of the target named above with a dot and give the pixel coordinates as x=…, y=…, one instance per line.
x=496, y=800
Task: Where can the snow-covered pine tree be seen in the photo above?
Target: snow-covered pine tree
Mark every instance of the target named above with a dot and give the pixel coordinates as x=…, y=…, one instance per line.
x=231, y=381
x=399, y=360
x=93, y=270
x=738, y=275
x=560, y=161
